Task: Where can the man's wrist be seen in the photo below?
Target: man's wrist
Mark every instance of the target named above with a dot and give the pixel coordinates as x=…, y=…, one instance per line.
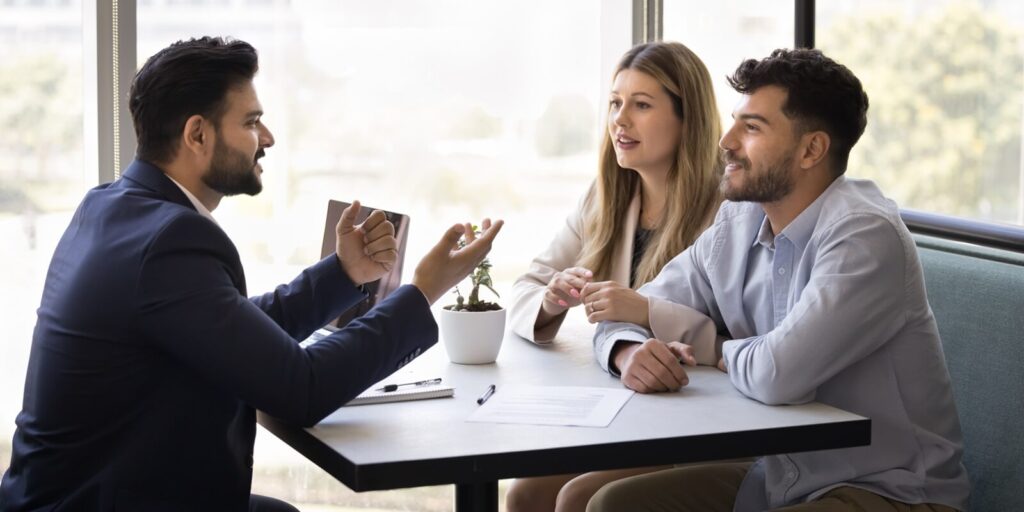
x=621, y=350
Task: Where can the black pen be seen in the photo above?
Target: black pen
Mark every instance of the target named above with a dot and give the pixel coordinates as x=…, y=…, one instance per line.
x=394, y=387
x=487, y=394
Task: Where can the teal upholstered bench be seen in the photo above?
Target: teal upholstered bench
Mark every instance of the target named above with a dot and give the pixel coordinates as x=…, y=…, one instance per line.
x=977, y=293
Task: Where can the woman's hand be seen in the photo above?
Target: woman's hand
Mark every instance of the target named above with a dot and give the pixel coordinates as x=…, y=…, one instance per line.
x=564, y=290
x=608, y=300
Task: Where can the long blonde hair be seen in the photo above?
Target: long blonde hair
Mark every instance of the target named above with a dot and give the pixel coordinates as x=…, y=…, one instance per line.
x=693, y=181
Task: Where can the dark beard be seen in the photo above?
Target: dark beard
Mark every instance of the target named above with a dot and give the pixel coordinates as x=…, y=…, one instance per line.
x=768, y=186
x=233, y=172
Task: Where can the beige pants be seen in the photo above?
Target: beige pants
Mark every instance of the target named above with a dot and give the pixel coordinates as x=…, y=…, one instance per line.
x=713, y=487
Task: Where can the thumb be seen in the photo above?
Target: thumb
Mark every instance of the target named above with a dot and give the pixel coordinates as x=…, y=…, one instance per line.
x=347, y=222
x=683, y=352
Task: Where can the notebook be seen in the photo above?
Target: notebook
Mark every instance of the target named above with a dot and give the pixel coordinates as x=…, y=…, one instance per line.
x=373, y=396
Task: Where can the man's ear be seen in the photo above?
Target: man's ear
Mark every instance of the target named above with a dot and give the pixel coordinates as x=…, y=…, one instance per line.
x=815, y=148
x=196, y=137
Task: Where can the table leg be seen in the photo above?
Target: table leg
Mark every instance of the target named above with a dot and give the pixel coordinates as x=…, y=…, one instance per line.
x=479, y=497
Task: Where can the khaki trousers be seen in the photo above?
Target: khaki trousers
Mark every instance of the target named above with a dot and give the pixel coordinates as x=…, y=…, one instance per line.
x=713, y=488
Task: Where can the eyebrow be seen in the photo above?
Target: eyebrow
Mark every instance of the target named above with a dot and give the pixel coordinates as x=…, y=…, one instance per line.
x=634, y=94
x=755, y=117
x=254, y=113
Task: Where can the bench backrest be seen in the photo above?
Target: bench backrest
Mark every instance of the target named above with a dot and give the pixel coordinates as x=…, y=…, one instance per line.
x=977, y=295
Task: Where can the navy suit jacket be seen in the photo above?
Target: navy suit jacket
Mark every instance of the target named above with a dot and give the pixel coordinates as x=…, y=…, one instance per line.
x=148, y=360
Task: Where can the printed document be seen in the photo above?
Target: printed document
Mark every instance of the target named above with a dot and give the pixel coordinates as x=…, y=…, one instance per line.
x=553, y=405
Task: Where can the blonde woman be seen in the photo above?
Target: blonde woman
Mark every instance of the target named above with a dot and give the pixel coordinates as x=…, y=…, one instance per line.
x=656, y=191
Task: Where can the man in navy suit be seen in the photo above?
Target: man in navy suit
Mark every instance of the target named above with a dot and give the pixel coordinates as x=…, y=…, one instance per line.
x=148, y=361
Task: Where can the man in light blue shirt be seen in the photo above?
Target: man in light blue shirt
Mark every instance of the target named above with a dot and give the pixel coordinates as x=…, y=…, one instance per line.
x=815, y=282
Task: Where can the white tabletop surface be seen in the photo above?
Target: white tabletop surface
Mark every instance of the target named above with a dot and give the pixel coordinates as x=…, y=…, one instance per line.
x=436, y=430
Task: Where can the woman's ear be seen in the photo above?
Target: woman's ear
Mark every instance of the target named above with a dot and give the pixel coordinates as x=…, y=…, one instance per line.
x=815, y=149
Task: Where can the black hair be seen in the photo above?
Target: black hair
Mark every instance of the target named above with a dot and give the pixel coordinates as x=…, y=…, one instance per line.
x=821, y=95
x=185, y=79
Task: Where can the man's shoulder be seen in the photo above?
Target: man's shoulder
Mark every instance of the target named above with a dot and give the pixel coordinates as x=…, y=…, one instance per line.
x=857, y=200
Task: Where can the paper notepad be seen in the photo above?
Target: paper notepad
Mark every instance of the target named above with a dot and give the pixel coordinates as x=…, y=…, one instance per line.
x=372, y=396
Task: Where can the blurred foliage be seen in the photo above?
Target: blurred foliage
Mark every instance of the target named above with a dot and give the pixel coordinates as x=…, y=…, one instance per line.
x=566, y=127
x=944, y=123
x=475, y=123
x=40, y=110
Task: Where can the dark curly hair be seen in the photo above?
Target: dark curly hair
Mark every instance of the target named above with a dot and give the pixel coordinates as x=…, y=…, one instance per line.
x=186, y=78
x=822, y=95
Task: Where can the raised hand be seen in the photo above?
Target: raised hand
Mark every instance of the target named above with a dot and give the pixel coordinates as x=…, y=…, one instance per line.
x=654, y=365
x=447, y=264
x=368, y=250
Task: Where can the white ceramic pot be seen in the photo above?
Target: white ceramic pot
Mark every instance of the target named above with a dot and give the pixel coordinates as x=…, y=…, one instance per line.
x=472, y=337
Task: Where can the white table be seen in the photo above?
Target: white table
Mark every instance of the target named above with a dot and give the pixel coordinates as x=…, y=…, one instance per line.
x=428, y=442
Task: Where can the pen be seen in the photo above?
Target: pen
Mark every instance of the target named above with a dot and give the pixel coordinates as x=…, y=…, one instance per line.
x=487, y=394
x=394, y=387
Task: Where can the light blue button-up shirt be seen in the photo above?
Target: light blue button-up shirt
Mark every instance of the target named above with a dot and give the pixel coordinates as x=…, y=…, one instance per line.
x=831, y=309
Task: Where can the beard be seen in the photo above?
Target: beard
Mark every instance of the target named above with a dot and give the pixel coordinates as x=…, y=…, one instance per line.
x=767, y=184
x=233, y=172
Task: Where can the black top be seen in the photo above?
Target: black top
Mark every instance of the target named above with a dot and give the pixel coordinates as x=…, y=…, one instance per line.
x=640, y=240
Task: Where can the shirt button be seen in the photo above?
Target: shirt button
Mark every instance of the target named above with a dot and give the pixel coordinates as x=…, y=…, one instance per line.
x=782, y=271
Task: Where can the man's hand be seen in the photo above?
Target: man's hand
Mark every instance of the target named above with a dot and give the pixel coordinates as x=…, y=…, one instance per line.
x=446, y=264
x=564, y=289
x=368, y=250
x=721, y=365
x=654, y=365
x=608, y=300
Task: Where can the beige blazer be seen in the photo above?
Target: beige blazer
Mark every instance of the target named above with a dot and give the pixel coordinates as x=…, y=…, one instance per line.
x=669, y=322
x=564, y=252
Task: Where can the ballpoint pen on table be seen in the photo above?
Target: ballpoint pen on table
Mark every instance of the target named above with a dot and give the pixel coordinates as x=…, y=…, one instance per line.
x=487, y=394
x=394, y=387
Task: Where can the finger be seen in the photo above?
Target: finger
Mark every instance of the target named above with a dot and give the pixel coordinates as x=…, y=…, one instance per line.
x=486, y=224
x=649, y=379
x=668, y=367
x=683, y=353
x=635, y=384
x=560, y=297
x=385, y=258
x=450, y=238
x=385, y=244
x=481, y=245
x=470, y=233
x=592, y=289
x=721, y=365
x=583, y=273
x=347, y=222
x=380, y=230
x=374, y=220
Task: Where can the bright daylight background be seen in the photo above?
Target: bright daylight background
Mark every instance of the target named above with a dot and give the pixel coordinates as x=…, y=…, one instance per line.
x=451, y=110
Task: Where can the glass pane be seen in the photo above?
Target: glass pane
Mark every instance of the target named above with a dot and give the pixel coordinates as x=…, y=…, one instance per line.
x=944, y=81
x=725, y=33
x=42, y=177
x=445, y=110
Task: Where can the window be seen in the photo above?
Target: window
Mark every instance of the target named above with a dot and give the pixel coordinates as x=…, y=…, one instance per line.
x=725, y=33
x=944, y=82
x=445, y=110
x=42, y=175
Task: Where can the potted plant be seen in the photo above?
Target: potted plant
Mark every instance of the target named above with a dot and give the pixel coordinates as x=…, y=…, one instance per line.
x=473, y=328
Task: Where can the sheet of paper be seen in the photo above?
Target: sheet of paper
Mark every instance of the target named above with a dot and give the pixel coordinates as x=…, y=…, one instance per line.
x=553, y=405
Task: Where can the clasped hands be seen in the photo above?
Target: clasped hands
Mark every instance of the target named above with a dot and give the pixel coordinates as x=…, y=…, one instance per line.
x=602, y=300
